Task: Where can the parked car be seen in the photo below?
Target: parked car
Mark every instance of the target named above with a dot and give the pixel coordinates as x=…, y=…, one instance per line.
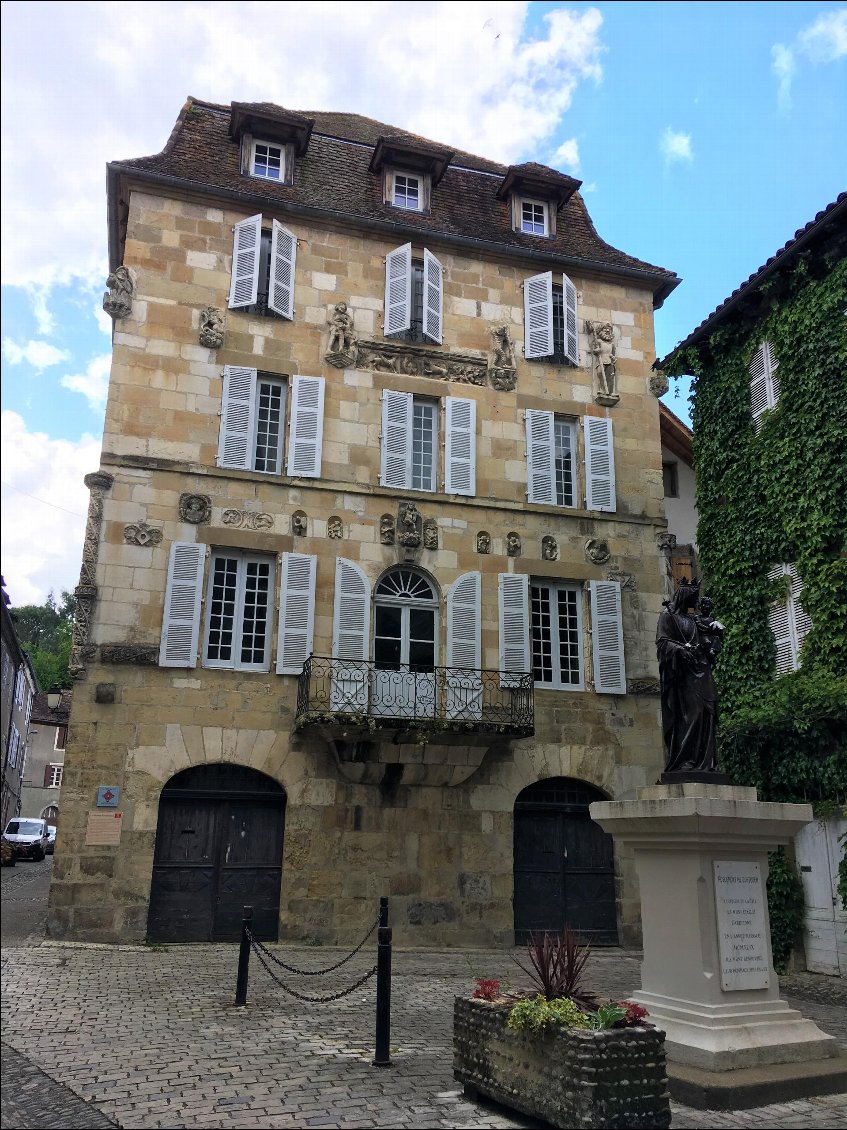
x=51, y=838
x=28, y=837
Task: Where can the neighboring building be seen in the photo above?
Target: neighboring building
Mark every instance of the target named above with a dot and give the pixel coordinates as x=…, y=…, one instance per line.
x=46, y=760
x=375, y=552
x=680, y=495
x=19, y=684
x=770, y=430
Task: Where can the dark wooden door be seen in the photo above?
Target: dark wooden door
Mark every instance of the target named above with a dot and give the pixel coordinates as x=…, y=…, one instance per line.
x=563, y=864
x=218, y=849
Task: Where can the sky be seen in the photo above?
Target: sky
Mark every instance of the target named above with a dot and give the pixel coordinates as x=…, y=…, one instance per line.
x=705, y=135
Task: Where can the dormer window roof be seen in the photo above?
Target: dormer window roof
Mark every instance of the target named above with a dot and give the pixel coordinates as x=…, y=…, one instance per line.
x=395, y=152
x=262, y=119
x=537, y=181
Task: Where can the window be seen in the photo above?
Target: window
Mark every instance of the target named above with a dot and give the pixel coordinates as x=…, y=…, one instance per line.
x=764, y=385
x=409, y=448
x=414, y=296
x=252, y=433
x=556, y=612
x=19, y=687
x=551, y=329
x=263, y=264
x=53, y=776
x=789, y=621
x=551, y=451
x=238, y=602
x=670, y=480
x=268, y=160
x=533, y=217
x=14, y=746
x=404, y=189
x=564, y=446
x=61, y=737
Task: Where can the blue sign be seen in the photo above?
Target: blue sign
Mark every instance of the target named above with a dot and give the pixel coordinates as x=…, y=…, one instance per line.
x=108, y=796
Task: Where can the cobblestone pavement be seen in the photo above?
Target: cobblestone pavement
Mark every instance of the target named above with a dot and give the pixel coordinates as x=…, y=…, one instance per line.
x=149, y=1037
x=23, y=891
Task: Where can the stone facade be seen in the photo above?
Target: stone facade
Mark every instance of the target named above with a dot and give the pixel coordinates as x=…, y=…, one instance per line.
x=444, y=853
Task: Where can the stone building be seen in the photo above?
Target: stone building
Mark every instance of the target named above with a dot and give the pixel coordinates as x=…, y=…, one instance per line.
x=374, y=553
x=19, y=686
x=42, y=783
x=680, y=492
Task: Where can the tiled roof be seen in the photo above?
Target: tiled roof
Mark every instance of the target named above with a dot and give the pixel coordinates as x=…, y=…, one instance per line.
x=834, y=213
x=675, y=434
x=333, y=177
x=42, y=713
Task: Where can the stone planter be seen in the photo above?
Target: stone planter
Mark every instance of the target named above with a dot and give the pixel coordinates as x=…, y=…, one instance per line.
x=570, y=1077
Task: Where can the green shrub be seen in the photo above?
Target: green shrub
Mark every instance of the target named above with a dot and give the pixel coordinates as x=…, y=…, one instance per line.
x=785, y=905
x=538, y=1014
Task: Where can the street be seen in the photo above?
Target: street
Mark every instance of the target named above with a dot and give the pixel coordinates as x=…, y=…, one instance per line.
x=147, y=1036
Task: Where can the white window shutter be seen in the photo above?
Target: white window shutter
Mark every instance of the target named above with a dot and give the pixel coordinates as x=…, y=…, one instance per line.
x=779, y=619
x=235, y=443
x=460, y=446
x=758, y=383
x=433, y=305
x=305, y=438
x=296, y=612
x=599, y=464
x=772, y=364
x=538, y=315
x=398, y=289
x=181, y=626
x=540, y=456
x=802, y=620
x=246, y=250
x=607, y=637
x=571, y=322
x=396, y=454
x=515, y=658
x=281, y=281
x=350, y=637
x=464, y=647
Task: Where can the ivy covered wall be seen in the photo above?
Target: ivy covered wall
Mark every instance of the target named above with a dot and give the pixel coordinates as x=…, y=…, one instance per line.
x=778, y=495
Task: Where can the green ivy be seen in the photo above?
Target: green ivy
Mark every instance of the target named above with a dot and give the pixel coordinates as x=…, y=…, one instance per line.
x=785, y=906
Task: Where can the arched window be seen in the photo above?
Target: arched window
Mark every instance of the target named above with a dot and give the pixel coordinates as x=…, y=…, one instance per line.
x=405, y=643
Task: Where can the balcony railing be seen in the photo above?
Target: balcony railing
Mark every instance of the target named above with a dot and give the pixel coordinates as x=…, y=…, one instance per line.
x=443, y=699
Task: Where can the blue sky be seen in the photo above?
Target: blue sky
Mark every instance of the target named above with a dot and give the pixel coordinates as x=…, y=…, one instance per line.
x=705, y=135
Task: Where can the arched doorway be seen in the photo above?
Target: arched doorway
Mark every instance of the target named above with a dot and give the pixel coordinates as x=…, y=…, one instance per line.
x=405, y=644
x=564, y=863
x=218, y=849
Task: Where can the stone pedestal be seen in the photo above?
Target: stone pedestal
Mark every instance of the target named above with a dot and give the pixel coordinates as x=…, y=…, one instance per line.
x=707, y=979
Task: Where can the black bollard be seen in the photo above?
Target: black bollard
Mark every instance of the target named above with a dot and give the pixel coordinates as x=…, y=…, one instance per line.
x=382, y=1058
x=244, y=956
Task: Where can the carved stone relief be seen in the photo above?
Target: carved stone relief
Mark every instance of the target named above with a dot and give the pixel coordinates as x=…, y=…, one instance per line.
x=195, y=508
x=393, y=357
x=299, y=524
x=483, y=542
x=597, y=551
x=334, y=527
x=117, y=301
x=386, y=529
x=430, y=534
x=604, y=364
x=513, y=544
x=626, y=580
x=409, y=525
x=658, y=383
x=139, y=533
x=211, y=327
x=502, y=366
x=247, y=519
x=82, y=652
x=549, y=548
x=342, y=351
x=139, y=655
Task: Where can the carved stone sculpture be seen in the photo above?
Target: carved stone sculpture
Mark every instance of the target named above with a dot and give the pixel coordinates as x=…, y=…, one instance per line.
x=483, y=542
x=688, y=641
x=139, y=533
x=343, y=343
x=549, y=548
x=502, y=367
x=334, y=527
x=409, y=525
x=601, y=346
x=658, y=383
x=82, y=652
x=136, y=654
x=211, y=327
x=597, y=551
x=299, y=524
x=418, y=361
x=117, y=302
x=625, y=580
x=195, y=508
x=513, y=544
x=386, y=529
x=247, y=519
x=430, y=534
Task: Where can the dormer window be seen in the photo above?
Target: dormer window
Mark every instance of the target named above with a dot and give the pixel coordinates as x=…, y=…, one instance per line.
x=268, y=160
x=407, y=190
x=533, y=216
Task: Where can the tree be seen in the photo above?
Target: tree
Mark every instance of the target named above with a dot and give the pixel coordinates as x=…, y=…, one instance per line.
x=46, y=632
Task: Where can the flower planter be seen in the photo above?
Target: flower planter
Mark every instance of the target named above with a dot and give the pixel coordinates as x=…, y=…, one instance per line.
x=570, y=1077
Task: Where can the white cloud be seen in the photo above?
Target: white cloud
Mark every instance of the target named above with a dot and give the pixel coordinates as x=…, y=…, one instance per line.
x=675, y=146
x=104, y=322
x=93, y=383
x=39, y=354
x=566, y=156
x=823, y=41
x=84, y=84
x=45, y=502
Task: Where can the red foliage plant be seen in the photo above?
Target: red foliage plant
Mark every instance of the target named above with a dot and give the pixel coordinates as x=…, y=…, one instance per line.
x=557, y=967
x=486, y=990
x=635, y=1014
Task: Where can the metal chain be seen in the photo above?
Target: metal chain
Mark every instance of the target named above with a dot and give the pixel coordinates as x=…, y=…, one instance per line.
x=257, y=945
x=301, y=996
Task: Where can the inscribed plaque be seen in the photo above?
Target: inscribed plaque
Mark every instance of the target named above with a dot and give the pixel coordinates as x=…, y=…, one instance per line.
x=742, y=925
x=104, y=828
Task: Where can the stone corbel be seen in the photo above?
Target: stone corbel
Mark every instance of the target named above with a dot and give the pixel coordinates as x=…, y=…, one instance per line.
x=117, y=301
x=82, y=652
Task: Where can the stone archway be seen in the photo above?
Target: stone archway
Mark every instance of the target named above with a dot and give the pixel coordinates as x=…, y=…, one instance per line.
x=564, y=869
x=218, y=848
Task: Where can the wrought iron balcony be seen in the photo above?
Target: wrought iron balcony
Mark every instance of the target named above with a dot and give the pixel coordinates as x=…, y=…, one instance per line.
x=443, y=700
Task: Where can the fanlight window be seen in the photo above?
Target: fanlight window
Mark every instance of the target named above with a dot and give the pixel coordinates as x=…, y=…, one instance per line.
x=405, y=584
